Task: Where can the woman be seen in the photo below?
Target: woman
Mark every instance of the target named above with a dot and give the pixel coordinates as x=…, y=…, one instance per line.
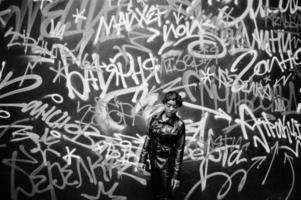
x=164, y=147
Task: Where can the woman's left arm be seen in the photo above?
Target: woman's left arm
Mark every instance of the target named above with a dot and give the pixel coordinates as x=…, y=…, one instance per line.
x=179, y=151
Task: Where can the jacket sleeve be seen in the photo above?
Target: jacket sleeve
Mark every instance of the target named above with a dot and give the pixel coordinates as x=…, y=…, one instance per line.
x=179, y=152
x=147, y=144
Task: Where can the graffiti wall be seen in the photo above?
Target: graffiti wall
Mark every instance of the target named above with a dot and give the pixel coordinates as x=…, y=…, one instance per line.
x=80, y=79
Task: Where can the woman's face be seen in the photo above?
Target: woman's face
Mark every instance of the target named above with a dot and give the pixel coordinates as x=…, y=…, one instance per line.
x=171, y=108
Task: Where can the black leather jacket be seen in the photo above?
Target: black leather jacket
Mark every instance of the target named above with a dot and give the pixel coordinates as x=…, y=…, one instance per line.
x=164, y=144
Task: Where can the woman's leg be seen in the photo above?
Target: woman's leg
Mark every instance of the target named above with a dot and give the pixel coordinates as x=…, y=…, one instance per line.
x=166, y=189
x=156, y=182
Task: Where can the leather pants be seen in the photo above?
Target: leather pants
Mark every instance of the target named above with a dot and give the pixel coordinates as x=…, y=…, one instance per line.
x=161, y=183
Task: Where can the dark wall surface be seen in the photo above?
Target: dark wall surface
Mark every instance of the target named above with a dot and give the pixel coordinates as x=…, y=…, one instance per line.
x=80, y=79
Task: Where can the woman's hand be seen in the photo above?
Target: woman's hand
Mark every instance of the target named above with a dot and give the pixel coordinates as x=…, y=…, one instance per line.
x=175, y=183
x=141, y=167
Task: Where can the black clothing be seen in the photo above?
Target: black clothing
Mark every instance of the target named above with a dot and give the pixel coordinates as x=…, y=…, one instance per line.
x=164, y=145
x=161, y=183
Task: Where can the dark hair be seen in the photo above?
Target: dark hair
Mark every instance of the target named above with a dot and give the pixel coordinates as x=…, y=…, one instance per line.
x=173, y=95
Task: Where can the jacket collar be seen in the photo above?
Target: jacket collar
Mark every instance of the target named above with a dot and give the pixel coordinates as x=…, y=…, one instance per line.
x=170, y=121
